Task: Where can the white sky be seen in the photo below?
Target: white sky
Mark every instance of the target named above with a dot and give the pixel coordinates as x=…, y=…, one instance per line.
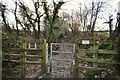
x=71, y=5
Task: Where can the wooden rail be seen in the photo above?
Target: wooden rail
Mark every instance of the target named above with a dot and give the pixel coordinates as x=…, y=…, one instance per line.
x=17, y=55
x=87, y=51
x=26, y=62
x=94, y=57
x=23, y=57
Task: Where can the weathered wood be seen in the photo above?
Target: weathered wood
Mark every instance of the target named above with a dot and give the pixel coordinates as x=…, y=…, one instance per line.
x=107, y=52
x=76, y=71
x=22, y=60
x=95, y=42
x=21, y=49
x=18, y=61
x=87, y=51
x=99, y=60
x=18, y=55
x=95, y=55
x=93, y=68
x=95, y=60
x=43, y=60
x=7, y=60
x=43, y=66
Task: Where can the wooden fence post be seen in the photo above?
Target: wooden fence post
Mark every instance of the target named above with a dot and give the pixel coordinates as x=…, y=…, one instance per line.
x=43, y=60
x=95, y=55
x=76, y=72
x=44, y=56
x=22, y=61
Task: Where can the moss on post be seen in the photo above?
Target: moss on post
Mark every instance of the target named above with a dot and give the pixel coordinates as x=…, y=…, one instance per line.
x=43, y=61
x=22, y=61
x=44, y=51
x=76, y=61
x=95, y=55
x=44, y=56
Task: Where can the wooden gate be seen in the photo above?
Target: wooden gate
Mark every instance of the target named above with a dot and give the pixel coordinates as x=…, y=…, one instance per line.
x=29, y=61
x=93, y=62
x=62, y=59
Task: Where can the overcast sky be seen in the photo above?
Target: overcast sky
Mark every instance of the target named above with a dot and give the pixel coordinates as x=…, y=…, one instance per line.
x=72, y=5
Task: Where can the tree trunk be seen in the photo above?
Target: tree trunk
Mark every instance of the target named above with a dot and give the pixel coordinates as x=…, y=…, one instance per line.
x=16, y=18
x=118, y=49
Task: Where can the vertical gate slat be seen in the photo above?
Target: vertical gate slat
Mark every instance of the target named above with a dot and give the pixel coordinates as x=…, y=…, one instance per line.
x=60, y=65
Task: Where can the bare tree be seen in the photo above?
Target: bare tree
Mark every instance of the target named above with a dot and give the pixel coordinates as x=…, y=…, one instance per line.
x=28, y=18
x=3, y=10
x=94, y=14
x=71, y=24
x=16, y=19
x=75, y=24
x=89, y=15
